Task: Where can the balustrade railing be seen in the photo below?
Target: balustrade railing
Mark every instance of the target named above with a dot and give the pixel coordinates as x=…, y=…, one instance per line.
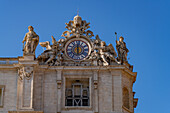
x=8, y=60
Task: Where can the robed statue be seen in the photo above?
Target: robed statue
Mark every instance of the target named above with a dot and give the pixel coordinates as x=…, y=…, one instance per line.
x=31, y=40
x=122, y=50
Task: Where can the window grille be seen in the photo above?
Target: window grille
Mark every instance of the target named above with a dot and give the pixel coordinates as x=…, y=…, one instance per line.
x=77, y=95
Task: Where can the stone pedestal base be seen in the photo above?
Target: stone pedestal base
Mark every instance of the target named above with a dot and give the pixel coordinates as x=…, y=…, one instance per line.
x=29, y=57
x=25, y=111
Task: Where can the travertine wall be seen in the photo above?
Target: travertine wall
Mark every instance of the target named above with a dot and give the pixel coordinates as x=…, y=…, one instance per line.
x=8, y=78
x=38, y=90
x=127, y=82
x=117, y=90
x=45, y=91
x=49, y=90
x=105, y=92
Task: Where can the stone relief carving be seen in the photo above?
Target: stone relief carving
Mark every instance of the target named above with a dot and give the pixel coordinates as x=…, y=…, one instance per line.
x=104, y=53
x=101, y=54
x=25, y=72
x=122, y=50
x=53, y=53
x=31, y=40
x=77, y=27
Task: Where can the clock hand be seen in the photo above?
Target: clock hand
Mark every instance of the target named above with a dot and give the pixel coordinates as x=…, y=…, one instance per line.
x=77, y=49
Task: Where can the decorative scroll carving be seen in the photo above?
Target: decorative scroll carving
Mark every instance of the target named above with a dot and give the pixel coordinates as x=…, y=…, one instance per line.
x=31, y=40
x=25, y=72
x=77, y=26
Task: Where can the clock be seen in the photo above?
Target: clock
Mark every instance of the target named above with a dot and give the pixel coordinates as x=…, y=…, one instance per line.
x=77, y=49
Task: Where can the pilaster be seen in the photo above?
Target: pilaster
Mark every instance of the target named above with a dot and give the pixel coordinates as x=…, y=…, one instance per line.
x=26, y=70
x=59, y=97
x=117, y=91
x=95, y=83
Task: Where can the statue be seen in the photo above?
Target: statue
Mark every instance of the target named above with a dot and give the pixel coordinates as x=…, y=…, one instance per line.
x=122, y=50
x=51, y=52
x=107, y=53
x=31, y=39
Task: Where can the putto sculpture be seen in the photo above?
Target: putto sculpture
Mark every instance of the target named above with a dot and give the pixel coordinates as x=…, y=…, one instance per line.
x=79, y=48
x=31, y=40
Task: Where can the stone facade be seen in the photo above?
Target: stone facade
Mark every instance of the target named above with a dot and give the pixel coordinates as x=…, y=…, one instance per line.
x=54, y=83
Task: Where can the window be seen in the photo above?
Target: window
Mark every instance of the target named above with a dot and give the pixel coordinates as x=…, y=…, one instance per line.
x=1, y=95
x=125, y=97
x=77, y=93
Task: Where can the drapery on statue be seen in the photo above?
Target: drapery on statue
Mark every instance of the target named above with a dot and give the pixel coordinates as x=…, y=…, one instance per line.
x=31, y=40
x=122, y=50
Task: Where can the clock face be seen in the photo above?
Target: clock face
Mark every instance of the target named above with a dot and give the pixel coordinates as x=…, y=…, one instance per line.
x=77, y=49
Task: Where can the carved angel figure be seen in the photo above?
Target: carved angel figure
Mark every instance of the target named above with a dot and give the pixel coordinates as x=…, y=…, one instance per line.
x=105, y=53
x=32, y=40
x=51, y=52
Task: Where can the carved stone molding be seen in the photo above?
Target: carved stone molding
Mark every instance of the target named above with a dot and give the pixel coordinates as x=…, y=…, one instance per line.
x=58, y=84
x=25, y=112
x=25, y=72
x=95, y=84
x=25, y=88
x=95, y=79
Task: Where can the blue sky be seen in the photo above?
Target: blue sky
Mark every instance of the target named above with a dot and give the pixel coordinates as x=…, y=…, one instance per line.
x=144, y=24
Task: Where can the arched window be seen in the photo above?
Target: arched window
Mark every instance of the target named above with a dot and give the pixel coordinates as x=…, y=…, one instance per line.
x=125, y=97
